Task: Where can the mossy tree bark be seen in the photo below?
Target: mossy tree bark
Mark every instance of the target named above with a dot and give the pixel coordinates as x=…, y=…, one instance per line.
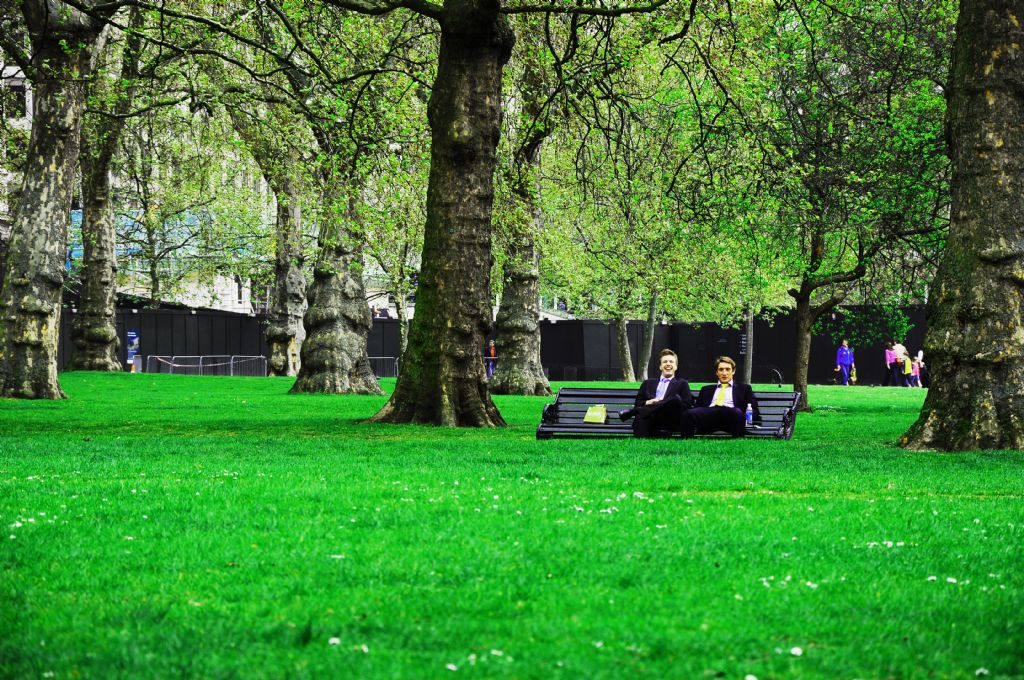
x=975, y=340
x=517, y=338
x=443, y=379
x=93, y=329
x=337, y=321
x=285, y=332
x=30, y=300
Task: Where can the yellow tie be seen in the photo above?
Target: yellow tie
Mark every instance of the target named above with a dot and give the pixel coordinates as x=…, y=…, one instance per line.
x=720, y=399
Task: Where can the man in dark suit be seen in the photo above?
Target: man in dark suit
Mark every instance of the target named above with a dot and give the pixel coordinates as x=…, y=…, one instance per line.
x=722, y=405
x=660, y=402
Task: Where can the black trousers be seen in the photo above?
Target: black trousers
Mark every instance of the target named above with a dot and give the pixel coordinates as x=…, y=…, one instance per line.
x=705, y=419
x=665, y=415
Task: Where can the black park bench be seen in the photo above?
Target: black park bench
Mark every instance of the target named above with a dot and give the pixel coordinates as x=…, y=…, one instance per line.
x=564, y=418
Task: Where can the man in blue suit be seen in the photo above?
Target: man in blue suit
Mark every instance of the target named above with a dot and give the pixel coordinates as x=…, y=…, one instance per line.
x=721, y=405
x=660, y=401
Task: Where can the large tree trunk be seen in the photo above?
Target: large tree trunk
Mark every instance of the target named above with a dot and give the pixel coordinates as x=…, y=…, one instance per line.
x=337, y=321
x=622, y=345
x=285, y=332
x=647, y=344
x=517, y=341
x=93, y=329
x=975, y=340
x=30, y=299
x=443, y=379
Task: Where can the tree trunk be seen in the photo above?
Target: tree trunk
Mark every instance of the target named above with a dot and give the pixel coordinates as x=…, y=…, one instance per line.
x=280, y=159
x=443, y=379
x=93, y=329
x=285, y=332
x=975, y=340
x=517, y=328
x=402, y=311
x=517, y=341
x=804, y=323
x=748, y=362
x=647, y=344
x=337, y=321
x=30, y=299
x=622, y=345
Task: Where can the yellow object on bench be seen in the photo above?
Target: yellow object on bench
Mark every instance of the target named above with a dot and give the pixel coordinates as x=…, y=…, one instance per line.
x=597, y=414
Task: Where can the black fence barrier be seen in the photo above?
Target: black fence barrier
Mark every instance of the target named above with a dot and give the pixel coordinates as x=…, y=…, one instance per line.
x=570, y=350
x=586, y=350
x=171, y=332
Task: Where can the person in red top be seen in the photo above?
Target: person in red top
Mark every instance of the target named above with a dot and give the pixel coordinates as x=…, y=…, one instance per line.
x=490, y=359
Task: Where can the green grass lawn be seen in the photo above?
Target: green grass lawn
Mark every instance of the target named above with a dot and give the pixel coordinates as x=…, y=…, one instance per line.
x=166, y=526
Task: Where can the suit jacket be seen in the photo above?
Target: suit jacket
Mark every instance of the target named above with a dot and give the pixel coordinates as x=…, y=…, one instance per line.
x=677, y=386
x=742, y=395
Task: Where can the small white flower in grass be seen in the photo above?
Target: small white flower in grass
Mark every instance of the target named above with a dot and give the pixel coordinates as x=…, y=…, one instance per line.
x=497, y=652
x=796, y=651
x=950, y=580
x=362, y=648
x=599, y=644
x=334, y=641
x=337, y=557
x=452, y=667
x=129, y=538
x=49, y=674
x=981, y=671
x=933, y=578
x=749, y=676
x=812, y=586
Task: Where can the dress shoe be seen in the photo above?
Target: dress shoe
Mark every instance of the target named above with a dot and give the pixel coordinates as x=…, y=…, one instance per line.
x=627, y=414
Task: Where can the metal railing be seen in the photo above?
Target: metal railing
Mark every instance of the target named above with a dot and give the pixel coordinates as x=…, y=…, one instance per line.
x=384, y=367
x=208, y=364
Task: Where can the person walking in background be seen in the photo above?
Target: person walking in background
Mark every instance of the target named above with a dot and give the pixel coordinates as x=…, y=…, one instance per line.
x=890, y=365
x=490, y=359
x=844, y=362
x=915, y=376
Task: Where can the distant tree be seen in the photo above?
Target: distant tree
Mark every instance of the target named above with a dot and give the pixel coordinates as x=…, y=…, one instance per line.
x=842, y=97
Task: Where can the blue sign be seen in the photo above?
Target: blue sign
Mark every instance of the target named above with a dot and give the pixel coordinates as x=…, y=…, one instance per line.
x=132, y=344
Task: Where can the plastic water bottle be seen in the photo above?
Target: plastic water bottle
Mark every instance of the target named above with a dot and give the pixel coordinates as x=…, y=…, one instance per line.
x=750, y=415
